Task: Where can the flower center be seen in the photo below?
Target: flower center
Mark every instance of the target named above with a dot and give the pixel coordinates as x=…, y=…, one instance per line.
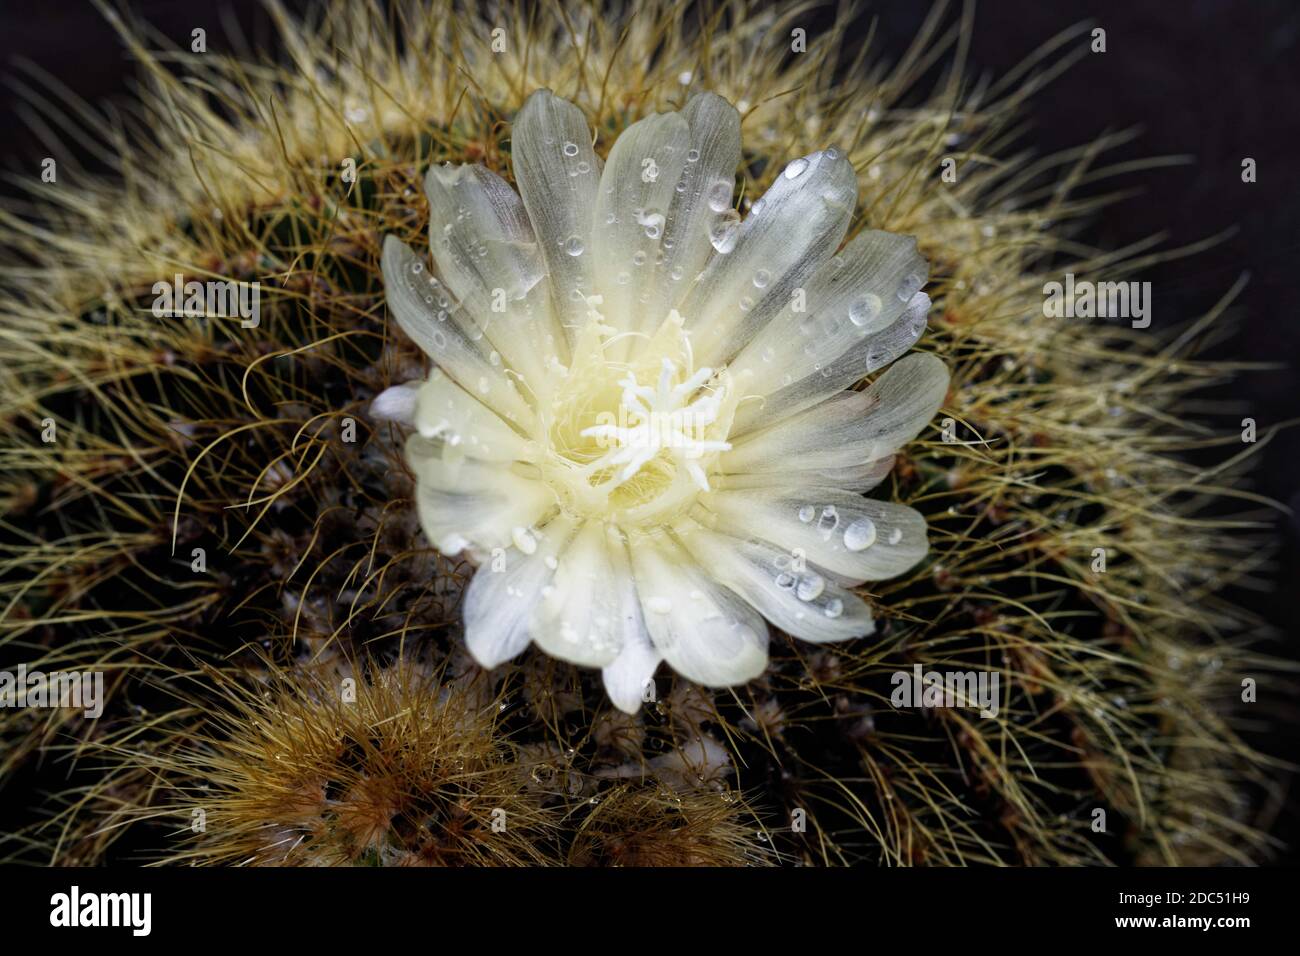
x=662, y=419
x=633, y=452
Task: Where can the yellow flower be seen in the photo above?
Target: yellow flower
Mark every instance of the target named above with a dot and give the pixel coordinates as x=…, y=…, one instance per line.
x=641, y=423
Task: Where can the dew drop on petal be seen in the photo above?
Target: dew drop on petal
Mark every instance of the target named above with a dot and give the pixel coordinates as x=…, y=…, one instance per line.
x=829, y=521
x=910, y=286
x=692, y=155
x=796, y=168
x=573, y=246
x=860, y=534
x=722, y=234
x=719, y=196
x=806, y=513
x=834, y=608
x=785, y=580
x=761, y=278
x=811, y=585
x=652, y=221
x=864, y=309
x=523, y=540
x=896, y=536
x=570, y=149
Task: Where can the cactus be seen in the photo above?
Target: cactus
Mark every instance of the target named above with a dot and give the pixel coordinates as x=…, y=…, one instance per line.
x=201, y=507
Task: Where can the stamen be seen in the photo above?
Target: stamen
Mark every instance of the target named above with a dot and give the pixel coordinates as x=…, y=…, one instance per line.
x=661, y=420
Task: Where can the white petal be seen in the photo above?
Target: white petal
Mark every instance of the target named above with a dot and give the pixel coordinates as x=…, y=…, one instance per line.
x=709, y=181
x=857, y=539
x=704, y=632
x=580, y=617
x=851, y=428
x=396, y=404
x=558, y=171
x=857, y=478
x=632, y=672
x=486, y=253
x=636, y=191
x=629, y=675
x=467, y=503
x=445, y=411
x=788, y=234
x=849, y=327
x=872, y=352
x=414, y=298
x=802, y=602
x=500, y=601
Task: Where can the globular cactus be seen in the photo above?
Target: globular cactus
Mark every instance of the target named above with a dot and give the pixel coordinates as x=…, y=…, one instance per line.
x=203, y=505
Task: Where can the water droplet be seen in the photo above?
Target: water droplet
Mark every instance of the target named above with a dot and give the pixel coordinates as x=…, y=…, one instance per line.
x=692, y=155
x=796, y=168
x=573, y=246
x=834, y=608
x=523, y=540
x=761, y=278
x=722, y=234
x=811, y=585
x=806, y=513
x=896, y=536
x=719, y=195
x=864, y=309
x=860, y=534
x=785, y=580
x=653, y=221
x=417, y=267
x=570, y=149
x=910, y=286
x=829, y=521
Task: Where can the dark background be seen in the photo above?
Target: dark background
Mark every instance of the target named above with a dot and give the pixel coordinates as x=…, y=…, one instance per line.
x=1215, y=80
